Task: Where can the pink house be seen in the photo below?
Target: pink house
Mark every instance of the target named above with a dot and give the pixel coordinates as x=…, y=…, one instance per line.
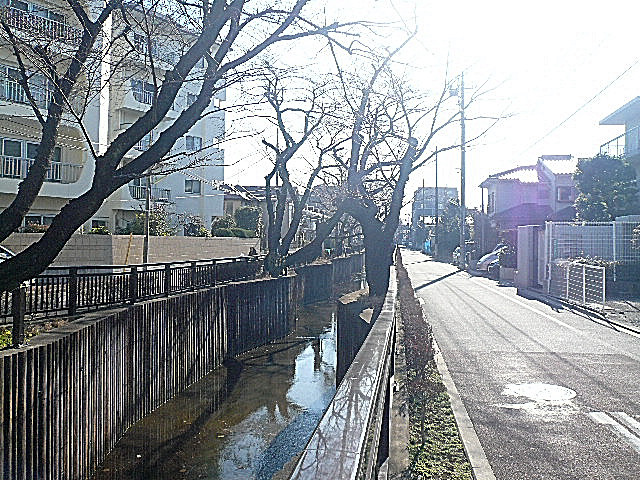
x=532, y=194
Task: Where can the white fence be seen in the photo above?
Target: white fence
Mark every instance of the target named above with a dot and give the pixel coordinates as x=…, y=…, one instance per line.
x=609, y=241
x=578, y=282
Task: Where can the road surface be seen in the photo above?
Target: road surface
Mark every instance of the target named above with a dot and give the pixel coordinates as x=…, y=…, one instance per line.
x=551, y=394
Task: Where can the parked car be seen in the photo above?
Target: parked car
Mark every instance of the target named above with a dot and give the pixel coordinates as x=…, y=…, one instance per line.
x=489, y=258
x=5, y=254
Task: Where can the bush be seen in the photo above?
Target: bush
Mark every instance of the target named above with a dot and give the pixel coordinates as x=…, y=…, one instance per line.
x=242, y=233
x=101, y=230
x=508, y=257
x=222, y=232
x=248, y=218
x=223, y=222
x=35, y=228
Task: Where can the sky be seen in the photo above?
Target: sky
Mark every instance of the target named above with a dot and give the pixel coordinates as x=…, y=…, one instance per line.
x=554, y=69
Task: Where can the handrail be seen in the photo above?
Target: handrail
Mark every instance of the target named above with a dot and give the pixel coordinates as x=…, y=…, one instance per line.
x=345, y=445
x=74, y=289
x=616, y=147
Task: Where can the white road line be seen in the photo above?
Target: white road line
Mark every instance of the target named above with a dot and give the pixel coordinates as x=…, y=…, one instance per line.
x=630, y=422
x=559, y=322
x=604, y=419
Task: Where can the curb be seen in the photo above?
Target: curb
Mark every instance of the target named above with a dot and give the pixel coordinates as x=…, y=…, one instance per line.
x=480, y=466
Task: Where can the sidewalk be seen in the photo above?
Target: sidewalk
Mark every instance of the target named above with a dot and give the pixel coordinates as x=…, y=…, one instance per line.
x=624, y=311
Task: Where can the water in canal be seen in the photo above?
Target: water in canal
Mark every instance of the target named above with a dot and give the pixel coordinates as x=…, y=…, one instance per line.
x=246, y=420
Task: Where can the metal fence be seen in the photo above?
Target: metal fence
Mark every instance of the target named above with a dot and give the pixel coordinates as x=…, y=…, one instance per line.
x=578, y=282
x=609, y=241
x=72, y=290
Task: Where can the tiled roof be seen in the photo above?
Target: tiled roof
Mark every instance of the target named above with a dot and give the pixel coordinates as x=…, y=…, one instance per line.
x=561, y=167
x=524, y=174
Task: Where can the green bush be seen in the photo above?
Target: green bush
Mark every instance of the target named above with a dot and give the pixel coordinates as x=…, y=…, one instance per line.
x=101, y=230
x=248, y=218
x=242, y=233
x=35, y=228
x=222, y=232
x=223, y=222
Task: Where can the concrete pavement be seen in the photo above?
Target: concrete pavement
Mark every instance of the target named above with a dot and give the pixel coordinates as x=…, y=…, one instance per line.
x=551, y=394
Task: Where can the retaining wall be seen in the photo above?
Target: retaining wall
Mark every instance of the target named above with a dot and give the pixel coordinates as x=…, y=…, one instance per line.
x=84, y=249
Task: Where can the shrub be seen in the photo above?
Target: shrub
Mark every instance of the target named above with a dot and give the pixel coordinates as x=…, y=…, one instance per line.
x=222, y=232
x=101, y=230
x=248, y=218
x=223, y=222
x=35, y=228
x=508, y=257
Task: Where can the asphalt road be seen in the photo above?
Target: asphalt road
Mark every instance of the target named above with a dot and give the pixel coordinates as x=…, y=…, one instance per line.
x=551, y=394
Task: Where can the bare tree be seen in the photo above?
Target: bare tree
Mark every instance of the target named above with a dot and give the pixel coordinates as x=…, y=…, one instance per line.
x=208, y=43
x=393, y=127
x=311, y=111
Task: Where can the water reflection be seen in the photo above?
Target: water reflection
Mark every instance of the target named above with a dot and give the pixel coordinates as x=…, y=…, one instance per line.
x=246, y=420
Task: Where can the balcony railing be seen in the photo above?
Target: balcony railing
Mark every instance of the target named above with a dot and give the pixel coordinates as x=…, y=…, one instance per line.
x=12, y=91
x=39, y=26
x=58, y=172
x=139, y=192
x=625, y=145
x=144, y=96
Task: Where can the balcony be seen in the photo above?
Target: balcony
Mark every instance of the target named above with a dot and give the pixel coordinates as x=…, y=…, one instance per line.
x=626, y=145
x=58, y=172
x=12, y=91
x=38, y=26
x=139, y=192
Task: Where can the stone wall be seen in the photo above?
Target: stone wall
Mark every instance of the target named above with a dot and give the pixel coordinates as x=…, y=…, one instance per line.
x=126, y=250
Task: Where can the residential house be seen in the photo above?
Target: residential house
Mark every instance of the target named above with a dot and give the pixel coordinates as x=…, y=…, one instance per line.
x=532, y=194
x=187, y=185
x=423, y=209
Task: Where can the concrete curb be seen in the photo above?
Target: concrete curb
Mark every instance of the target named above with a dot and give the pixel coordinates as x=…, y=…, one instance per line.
x=480, y=466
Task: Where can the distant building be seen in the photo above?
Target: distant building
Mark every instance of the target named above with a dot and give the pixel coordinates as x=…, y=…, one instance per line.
x=424, y=202
x=532, y=194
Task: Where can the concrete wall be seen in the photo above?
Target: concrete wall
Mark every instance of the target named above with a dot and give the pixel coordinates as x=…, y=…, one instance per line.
x=112, y=249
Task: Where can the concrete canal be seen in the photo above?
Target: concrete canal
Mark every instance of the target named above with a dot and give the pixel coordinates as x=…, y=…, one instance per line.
x=246, y=420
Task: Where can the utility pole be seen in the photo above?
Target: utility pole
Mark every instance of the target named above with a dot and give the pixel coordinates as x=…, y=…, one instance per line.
x=435, y=241
x=463, y=209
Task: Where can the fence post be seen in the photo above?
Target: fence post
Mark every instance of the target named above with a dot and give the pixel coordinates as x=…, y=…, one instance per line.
x=18, y=310
x=133, y=285
x=584, y=284
x=167, y=279
x=193, y=275
x=604, y=286
x=73, y=290
x=567, y=275
x=615, y=260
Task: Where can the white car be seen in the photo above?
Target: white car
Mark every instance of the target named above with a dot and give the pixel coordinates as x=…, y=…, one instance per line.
x=489, y=258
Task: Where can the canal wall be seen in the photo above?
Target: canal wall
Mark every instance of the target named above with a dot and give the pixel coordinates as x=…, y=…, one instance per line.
x=67, y=397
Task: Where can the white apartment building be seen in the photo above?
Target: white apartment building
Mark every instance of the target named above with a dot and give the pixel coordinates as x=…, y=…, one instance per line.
x=127, y=96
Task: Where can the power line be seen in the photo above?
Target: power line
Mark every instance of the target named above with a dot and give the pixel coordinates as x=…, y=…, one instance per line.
x=581, y=107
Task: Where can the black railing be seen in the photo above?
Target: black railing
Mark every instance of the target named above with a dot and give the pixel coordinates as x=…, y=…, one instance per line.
x=73, y=290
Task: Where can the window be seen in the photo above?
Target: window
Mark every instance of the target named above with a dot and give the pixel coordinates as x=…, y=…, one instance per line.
x=491, y=202
x=564, y=194
x=143, y=92
x=12, y=148
x=32, y=150
x=11, y=89
x=33, y=220
x=145, y=142
x=193, y=143
x=192, y=186
x=98, y=223
x=141, y=44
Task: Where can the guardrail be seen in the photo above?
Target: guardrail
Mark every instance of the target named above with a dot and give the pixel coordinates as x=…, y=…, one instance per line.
x=352, y=439
x=73, y=290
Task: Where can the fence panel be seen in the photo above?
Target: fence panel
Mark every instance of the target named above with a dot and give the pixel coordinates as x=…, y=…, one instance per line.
x=578, y=282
